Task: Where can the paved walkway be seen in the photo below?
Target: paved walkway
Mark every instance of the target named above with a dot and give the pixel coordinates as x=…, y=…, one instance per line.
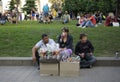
x=31, y=74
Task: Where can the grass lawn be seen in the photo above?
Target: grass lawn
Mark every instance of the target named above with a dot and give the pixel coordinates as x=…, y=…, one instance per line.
x=18, y=40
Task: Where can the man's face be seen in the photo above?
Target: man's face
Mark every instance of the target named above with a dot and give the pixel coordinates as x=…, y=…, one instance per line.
x=46, y=39
x=84, y=39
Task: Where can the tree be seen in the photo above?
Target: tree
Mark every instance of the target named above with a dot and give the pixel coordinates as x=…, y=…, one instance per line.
x=73, y=5
x=56, y=4
x=12, y=5
x=105, y=6
x=29, y=5
x=17, y=2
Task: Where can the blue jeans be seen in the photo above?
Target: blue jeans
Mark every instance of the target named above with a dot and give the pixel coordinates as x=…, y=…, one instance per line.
x=87, y=60
x=83, y=23
x=2, y=22
x=89, y=24
x=65, y=21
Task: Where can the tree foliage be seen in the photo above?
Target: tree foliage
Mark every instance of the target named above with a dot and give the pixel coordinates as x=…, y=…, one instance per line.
x=56, y=4
x=29, y=5
x=12, y=5
x=91, y=5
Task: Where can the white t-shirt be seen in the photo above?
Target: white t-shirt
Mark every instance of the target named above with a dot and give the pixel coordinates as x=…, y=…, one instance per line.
x=41, y=43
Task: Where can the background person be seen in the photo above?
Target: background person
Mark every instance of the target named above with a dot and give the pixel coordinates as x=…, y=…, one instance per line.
x=110, y=19
x=33, y=14
x=66, y=18
x=46, y=10
x=3, y=19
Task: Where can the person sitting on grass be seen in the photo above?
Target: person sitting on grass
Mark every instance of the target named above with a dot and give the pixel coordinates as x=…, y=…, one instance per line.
x=3, y=19
x=66, y=18
x=110, y=19
x=90, y=22
x=81, y=21
x=118, y=19
x=45, y=40
x=85, y=50
x=13, y=18
x=65, y=41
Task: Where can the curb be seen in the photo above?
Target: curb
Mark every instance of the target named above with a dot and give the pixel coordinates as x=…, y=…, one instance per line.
x=27, y=61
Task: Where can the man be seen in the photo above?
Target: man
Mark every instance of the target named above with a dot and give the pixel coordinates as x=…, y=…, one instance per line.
x=66, y=17
x=85, y=50
x=45, y=40
x=3, y=19
x=46, y=10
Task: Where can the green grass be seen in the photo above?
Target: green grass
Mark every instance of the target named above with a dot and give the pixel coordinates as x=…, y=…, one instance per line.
x=18, y=40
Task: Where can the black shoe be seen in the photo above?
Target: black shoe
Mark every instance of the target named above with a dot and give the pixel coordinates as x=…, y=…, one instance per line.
x=83, y=67
x=38, y=67
x=89, y=66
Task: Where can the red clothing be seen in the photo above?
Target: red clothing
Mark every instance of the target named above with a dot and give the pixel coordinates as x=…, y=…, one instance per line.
x=80, y=21
x=109, y=20
x=93, y=20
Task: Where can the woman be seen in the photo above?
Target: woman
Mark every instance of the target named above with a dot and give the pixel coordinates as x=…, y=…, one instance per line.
x=32, y=14
x=65, y=41
x=110, y=19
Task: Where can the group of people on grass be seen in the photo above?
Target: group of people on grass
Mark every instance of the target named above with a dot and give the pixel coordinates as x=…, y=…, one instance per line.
x=10, y=16
x=47, y=15
x=84, y=48
x=92, y=20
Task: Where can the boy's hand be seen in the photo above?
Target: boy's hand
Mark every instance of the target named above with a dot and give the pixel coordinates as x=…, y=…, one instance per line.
x=82, y=55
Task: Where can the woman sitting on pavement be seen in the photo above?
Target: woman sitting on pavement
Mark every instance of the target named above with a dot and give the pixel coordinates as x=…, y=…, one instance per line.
x=65, y=41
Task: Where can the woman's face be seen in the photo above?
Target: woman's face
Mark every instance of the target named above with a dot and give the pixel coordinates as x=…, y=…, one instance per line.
x=64, y=33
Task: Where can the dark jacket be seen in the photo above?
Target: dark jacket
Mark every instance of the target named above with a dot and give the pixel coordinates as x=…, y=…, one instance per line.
x=84, y=48
x=68, y=44
x=3, y=18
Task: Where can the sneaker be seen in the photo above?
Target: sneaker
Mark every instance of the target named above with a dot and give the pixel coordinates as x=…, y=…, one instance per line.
x=38, y=67
x=89, y=66
x=96, y=25
x=84, y=27
x=80, y=26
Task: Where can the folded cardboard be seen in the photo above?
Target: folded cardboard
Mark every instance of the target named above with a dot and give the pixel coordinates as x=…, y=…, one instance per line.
x=69, y=69
x=50, y=69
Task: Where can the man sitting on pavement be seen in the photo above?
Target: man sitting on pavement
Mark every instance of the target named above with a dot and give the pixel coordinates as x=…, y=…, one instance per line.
x=85, y=50
x=44, y=42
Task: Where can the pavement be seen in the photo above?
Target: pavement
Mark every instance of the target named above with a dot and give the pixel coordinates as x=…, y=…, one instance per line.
x=31, y=74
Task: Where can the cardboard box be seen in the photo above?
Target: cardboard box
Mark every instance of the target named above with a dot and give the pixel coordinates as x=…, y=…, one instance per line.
x=69, y=69
x=49, y=69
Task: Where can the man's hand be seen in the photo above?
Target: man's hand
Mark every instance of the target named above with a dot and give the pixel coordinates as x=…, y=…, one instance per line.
x=56, y=52
x=34, y=59
x=82, y=55
x=43, y=53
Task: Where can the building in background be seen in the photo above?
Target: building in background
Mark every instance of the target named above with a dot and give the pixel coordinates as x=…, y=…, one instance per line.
x=0, y=6
x=4, y=4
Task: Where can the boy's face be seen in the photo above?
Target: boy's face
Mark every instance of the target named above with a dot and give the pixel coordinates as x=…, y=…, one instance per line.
x=84, y=39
